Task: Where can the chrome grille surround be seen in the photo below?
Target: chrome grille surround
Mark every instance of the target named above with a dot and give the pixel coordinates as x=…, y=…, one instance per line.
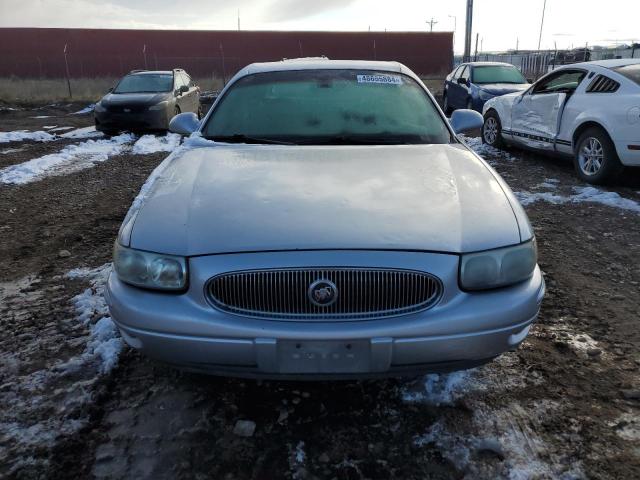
x=363, y=293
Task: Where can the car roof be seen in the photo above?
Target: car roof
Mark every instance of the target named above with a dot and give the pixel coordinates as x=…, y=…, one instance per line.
x=618, y=62
x=488, y=64
x=322, y=63
x=151, y=72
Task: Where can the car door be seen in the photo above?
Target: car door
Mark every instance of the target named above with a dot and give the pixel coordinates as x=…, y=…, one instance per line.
x=461, y=89
x=182, y=98
x=536, y=115
x=192, y=96
x=452, y=79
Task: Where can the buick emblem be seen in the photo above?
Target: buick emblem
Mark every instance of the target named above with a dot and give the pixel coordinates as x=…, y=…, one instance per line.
x=323, y=293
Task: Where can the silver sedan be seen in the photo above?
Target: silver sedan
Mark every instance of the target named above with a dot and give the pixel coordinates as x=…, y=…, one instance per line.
x=324, y=220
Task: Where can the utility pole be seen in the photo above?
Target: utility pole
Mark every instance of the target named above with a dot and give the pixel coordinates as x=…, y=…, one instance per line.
x=476, y=55
x=431, y=23
x=467, y=33
x=144, y=54
x=66, y=64
x=238, y=19
x=544, y=7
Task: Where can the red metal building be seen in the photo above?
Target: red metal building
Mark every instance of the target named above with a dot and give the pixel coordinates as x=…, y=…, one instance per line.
x=39, y=52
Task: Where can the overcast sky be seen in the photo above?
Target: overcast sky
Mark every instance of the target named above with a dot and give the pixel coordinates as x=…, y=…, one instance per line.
x=500, y=23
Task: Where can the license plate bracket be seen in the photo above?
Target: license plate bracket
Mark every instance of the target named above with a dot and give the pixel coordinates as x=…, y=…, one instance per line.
x=324, y=356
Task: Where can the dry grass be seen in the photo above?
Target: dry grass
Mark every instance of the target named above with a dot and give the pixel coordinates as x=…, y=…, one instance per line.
x=27, y=91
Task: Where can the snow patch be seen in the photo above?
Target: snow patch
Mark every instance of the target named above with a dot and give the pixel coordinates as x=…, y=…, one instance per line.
x=581, y=195
x=11, y=150
x=528, y=198
x=627, y=427
x=579, y=342
x=104, y=343
x=22, y=135
x=71, y=158
x=42, y=116
x=438, y=389
x=484, y=150
x=152, y=144
x=297, y=458
x=610, y=199
x=508, y=430
x=86, y=132
x=60, y=129
x=87, y=109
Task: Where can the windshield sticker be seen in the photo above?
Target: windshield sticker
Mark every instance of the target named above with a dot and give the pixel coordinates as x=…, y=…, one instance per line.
x=383, y=79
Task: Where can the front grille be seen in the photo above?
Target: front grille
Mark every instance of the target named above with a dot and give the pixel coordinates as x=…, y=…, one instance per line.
x=129, y=108
x=361, y=293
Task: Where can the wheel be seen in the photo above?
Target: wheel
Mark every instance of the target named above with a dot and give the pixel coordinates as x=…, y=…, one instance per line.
x=595, y=158
x=445, y=105
x=492, y=129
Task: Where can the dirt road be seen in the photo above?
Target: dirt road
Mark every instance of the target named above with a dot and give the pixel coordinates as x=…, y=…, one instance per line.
x=76, y=403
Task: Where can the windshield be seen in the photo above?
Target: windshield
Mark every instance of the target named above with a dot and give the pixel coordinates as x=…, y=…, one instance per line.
x=632, y=72
x=145, y=83
x=326, y=107
x=497, y=74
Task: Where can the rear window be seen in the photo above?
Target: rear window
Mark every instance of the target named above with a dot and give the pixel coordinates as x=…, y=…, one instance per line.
x=632, y=72
x=327, y=106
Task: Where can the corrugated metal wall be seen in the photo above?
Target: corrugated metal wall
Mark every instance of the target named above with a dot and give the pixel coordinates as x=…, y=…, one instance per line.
x=39, y=52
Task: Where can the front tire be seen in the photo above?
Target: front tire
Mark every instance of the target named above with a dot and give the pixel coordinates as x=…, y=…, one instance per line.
x=492, y=130
x=595, y=158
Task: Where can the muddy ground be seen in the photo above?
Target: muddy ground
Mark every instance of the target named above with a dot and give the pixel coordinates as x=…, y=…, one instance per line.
x=565, y=405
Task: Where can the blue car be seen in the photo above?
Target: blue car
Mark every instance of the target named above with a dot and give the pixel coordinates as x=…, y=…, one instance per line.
x=472, y=84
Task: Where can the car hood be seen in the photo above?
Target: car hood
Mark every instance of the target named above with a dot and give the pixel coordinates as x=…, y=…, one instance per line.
x=133, y=99
x=244, y=198
x=503, y=88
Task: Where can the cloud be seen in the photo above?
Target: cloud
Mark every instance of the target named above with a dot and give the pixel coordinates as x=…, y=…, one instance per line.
x=281, y=10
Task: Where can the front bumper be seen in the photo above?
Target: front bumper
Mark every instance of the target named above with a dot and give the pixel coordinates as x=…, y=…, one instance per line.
x=462, y=330
x=134, y=121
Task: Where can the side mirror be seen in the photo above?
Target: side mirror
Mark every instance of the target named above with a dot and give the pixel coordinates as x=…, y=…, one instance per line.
x=463, y=81
x=530, y=80
x=466, y=120
x=183, y=89
x=110, y=90
x=184, y=123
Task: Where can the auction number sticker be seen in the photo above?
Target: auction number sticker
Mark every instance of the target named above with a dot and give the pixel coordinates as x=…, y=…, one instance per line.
x=382, y=79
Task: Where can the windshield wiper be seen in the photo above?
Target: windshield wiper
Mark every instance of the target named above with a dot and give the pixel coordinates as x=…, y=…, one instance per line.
x=241, y=138
x=356, y=140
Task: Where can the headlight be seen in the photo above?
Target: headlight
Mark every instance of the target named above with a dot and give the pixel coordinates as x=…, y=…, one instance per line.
x=99, y=107
x=159, y=106
x=149, y=270
x=498, y=268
